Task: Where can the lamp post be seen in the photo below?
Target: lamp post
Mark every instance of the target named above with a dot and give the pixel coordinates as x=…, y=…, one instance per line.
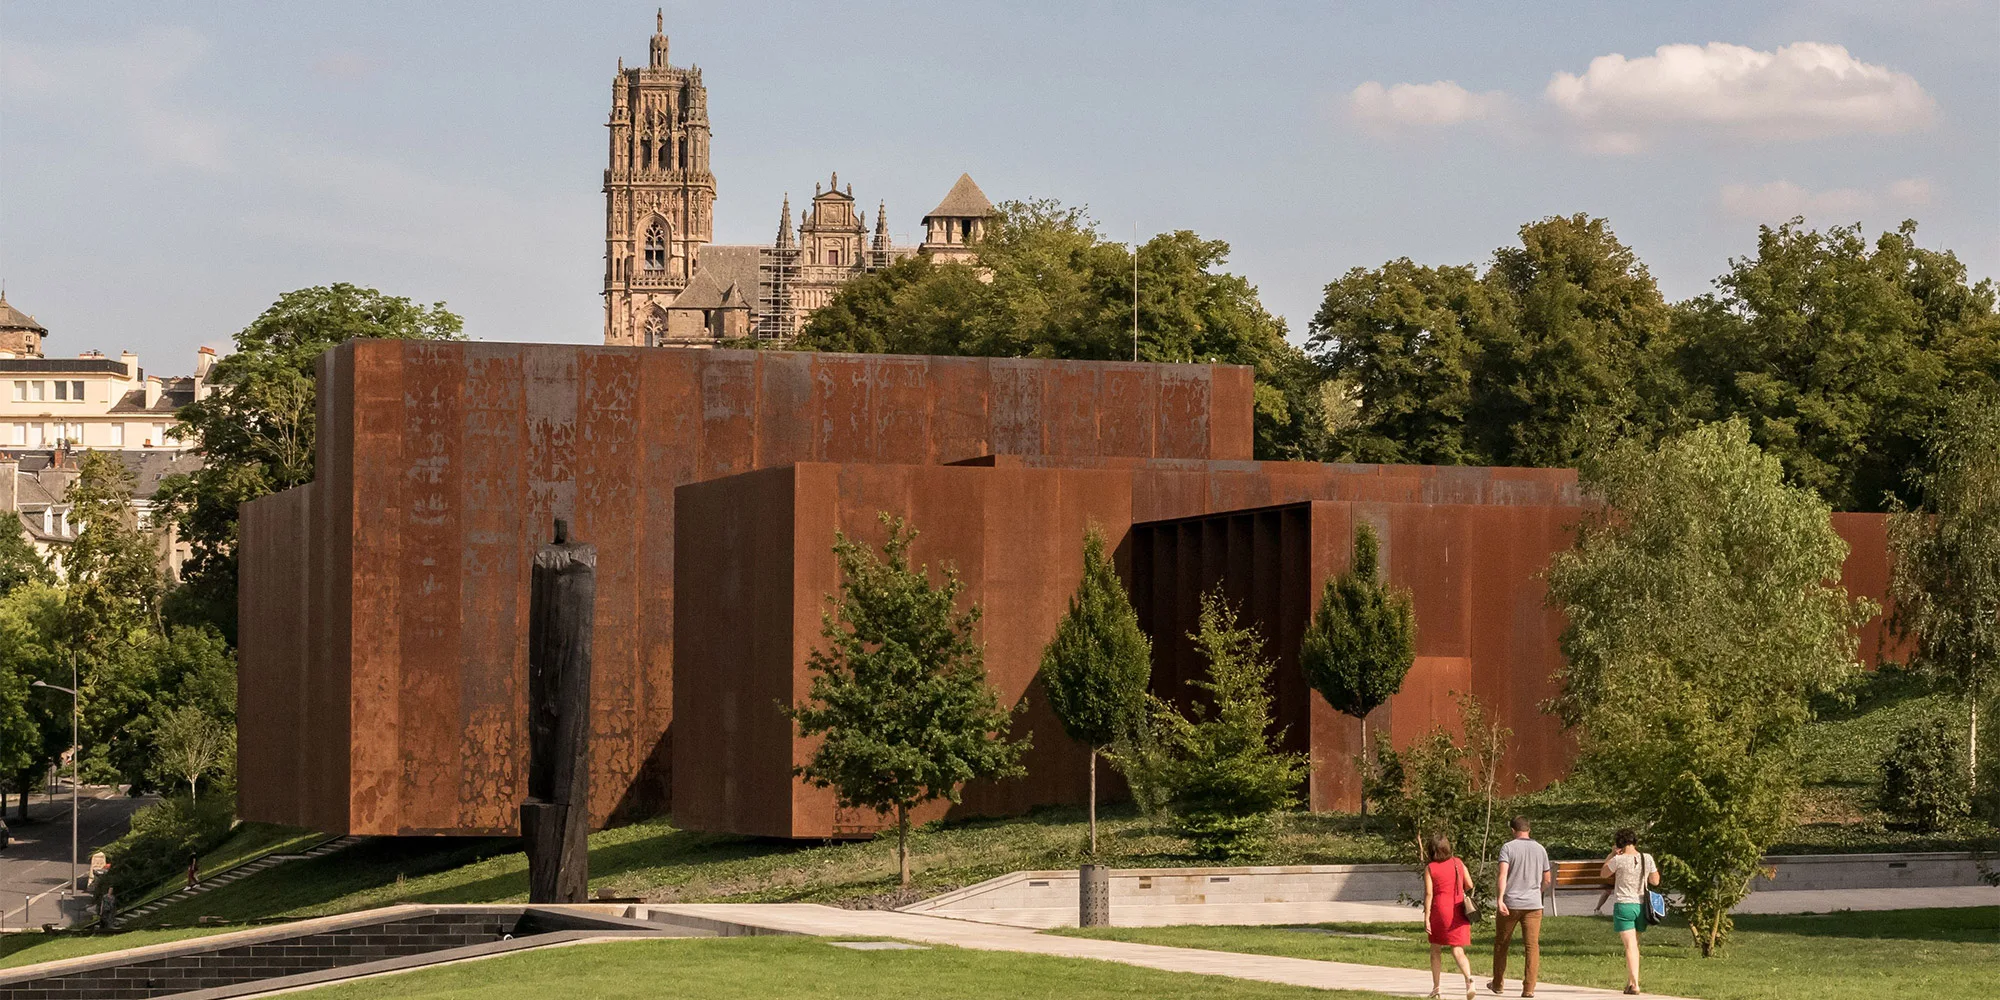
x=75, y=769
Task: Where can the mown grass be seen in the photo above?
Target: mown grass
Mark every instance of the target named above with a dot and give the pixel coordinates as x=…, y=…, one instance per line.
x=655, y=861
x=1938, y=954
x=766, y=968
x=247, y=842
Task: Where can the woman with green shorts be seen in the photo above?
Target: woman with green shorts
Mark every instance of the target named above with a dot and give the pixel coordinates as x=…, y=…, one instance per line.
x=1631, y=873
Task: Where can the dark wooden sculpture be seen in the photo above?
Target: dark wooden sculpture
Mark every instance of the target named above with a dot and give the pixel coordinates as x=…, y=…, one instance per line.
x=555, y=820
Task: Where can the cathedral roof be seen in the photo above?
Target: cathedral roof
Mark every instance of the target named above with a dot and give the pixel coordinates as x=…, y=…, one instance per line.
x=14, y=319
x=722, y=270
x=964, y=200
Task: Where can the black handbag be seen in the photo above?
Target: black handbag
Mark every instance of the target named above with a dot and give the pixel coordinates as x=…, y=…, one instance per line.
x=1652, y=905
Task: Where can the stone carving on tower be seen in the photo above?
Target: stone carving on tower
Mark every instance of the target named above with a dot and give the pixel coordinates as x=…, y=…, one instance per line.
x=659, y=196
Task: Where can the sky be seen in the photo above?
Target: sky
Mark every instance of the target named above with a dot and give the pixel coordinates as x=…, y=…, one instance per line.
x=167, y=170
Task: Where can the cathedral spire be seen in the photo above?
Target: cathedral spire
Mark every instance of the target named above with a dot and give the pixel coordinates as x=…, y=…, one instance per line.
x=660, y=39
x=881, y=226
x=785, y=224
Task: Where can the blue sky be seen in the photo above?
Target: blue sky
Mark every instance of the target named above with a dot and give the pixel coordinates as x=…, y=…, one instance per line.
x=166, y=170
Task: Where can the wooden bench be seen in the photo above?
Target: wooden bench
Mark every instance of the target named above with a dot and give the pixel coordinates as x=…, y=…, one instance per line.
x=1575, y=875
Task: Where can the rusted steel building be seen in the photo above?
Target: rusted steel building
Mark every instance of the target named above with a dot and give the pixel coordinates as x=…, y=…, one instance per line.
x=383, y=665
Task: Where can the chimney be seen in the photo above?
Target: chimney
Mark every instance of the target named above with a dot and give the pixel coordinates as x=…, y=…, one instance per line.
x=152, y=392
x=131, y=363
x=204, y=360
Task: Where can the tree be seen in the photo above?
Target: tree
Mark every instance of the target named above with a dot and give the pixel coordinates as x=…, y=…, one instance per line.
x=20, y=564
x=36, y=729
x=1841, y=356
x=1361, y=641
x=112, y=576
x=899, y=697
x=1047, y=284
x=187, y=744
x=1704, y=615
x=1221, y=767
x=256, y=431
x=1946, y=563
x=1920, y=776
x=1097, y=667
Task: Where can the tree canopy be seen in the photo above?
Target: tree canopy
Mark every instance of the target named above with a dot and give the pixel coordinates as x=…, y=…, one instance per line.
x=1362, y=639
x=1704, y=615
x=899, y=699
x=256, y=432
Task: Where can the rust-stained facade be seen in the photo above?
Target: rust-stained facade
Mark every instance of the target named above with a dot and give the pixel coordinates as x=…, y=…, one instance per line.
x=383, y=606
x=383, y=670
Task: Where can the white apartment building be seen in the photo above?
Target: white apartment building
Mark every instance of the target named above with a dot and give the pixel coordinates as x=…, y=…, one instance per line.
x=89, y=401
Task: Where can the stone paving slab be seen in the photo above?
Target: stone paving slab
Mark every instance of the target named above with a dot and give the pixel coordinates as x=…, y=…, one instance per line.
x=827, y=921
x=1216, y=914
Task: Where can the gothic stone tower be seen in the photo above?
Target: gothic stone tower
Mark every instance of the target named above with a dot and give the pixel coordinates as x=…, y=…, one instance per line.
x=659, y=195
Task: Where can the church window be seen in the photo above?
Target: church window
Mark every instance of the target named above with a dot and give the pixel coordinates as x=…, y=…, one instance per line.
x=833, y=255
x=656, y=246
x=965, y=230
x=656, y=328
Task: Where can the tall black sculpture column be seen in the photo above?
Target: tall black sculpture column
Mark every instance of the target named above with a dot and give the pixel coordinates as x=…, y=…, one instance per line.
x=555, y=820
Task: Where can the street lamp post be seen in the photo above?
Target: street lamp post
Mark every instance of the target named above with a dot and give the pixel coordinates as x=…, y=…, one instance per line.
x=75, y=770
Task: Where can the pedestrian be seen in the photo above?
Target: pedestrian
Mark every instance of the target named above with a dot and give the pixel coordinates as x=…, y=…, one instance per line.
x=1523, y=882
x=1631, y=873
x=194, y=869
x=1447, y=913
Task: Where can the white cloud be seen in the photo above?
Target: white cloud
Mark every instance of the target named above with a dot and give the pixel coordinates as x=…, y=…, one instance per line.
x=1405, y=105
x=69, y=80
x=1799, y=91
x=1777, y=201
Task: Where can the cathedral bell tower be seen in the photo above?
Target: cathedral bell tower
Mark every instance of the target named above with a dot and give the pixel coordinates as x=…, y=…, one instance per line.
x=659, y=196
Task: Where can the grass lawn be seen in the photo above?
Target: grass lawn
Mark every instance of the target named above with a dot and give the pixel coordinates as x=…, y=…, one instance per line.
x=1940, y=954
x=655, y=861
x=27, y=949
x=784, y=968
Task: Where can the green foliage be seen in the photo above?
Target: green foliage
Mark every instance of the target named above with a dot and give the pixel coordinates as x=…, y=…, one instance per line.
x=188, y=745
x=1049, y=285
x=1442, y=784
x=112, y=570
x=1946, y=569
x=161, y=840
x=899, y=697
x=34, y=724
x=1362, y=637
x=256, y=429
x=1221, y=770
x=20, y=564
x=1540, y=361
x=1841, y=358
x=1703, y=619
x=1923, y=776
x=1096, y=668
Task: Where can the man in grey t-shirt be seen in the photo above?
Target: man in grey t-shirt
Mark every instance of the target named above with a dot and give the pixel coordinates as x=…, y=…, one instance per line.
x=1524, y=879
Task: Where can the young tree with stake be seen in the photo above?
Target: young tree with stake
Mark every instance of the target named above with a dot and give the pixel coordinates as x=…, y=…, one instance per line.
x=1361, y=641
x=899, y=696
x=1097, y=667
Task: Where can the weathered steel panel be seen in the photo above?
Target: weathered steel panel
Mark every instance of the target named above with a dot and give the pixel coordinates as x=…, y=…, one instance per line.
x=491, y=701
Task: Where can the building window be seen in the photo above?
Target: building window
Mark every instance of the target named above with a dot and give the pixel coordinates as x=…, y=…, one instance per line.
x=117, y=435
x=62, y=391
x=76, y=391
x=20, y=392
x=19, y=434
x=656, y=246
x=73, y=435
x=159, y=437
x=833, y=256
x=37, y=391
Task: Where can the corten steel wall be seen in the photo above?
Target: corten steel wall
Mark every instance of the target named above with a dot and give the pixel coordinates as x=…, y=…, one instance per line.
x=1482, y=624
x=1471, y=571
x=762, y=544
x=440, y=466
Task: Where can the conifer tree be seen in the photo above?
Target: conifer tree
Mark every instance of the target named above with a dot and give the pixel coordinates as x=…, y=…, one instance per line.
x=1362, y=639
x=899, y=695
x=1223, y=771
x=1097, y=667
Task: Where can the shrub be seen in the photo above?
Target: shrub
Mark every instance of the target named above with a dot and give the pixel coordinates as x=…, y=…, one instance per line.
x=161, y=840
x=1923, y=775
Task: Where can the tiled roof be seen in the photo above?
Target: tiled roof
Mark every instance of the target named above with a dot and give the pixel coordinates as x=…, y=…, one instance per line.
x=964, y=200
x=14, y=319
x=722, y=268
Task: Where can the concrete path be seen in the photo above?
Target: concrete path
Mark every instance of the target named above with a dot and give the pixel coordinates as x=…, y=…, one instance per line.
x=1836, y=900
x=826, y=921
x=35, y=866
x=1213, y=914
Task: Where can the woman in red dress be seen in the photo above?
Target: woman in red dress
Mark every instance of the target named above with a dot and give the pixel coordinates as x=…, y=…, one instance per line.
x=1445, y=884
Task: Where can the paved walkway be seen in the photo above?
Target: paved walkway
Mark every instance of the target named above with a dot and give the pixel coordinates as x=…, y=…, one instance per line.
x=826, y=921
